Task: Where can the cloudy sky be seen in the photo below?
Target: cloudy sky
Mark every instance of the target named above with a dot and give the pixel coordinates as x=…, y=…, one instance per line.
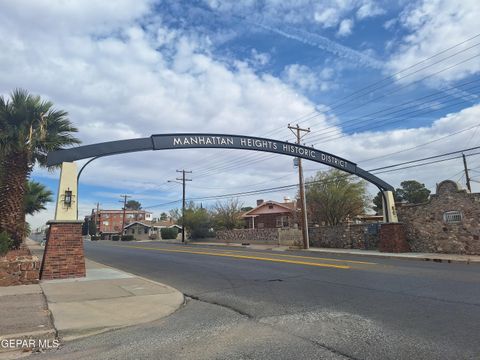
x=378, y=83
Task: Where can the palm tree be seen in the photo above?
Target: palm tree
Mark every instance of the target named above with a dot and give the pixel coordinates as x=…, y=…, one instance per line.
x=36, y=197
x=29, y=128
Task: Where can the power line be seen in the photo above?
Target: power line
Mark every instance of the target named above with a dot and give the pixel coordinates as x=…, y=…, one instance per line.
x=386, y=169
x=401, y=71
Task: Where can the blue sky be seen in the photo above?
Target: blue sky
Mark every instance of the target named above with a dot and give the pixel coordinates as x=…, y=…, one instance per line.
x=130, y=68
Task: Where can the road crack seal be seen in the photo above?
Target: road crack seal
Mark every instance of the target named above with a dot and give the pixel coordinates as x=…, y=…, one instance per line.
x=238, y=311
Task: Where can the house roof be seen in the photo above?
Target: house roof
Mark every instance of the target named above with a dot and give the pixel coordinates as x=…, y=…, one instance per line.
x=170, y=226
x=288, y=207
x=139, y=223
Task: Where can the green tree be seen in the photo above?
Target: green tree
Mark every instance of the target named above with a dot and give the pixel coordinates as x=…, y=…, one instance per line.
x=36, y=197
x=163, y=216
x=412, y=192
x=29, y=128
x=198, y=221
x=378, y=203
x=228, y=215
x=133, y=205
x=333, y=197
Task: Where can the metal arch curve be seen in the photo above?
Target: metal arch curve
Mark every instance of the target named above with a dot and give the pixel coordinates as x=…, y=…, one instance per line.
x=221, y=141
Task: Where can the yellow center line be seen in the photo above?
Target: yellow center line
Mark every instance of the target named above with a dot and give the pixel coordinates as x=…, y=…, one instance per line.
x=296, y=256
x=238, y=256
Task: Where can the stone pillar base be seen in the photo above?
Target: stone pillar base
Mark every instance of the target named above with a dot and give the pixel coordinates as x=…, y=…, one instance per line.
x=63, y=257
x=392, y=238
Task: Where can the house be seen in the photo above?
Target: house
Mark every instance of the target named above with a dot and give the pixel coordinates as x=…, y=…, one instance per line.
x=110, y=221
x=148, y=231
x=142, y=231
x=272, y=214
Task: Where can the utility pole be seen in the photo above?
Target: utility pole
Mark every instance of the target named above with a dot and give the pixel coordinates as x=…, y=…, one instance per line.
x=297, y=131
x=97, y=216
x=124, y=210
x=467, y=176
x=183, y=179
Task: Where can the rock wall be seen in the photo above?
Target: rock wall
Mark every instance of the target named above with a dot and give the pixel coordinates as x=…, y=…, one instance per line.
x=19, y=267
x=356, y=236
x=284, y=237
x=428, y=228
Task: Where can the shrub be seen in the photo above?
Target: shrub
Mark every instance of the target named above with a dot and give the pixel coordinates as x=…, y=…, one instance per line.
x=169, y=233
x=5, y=243
x=127, y=238
x=116, y=237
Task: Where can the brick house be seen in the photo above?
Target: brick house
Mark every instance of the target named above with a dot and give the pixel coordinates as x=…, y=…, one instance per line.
x=110, y=221
x=271, y=214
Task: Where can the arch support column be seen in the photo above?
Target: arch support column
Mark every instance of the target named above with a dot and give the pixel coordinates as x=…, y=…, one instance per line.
x=389, y=211
x=63, y=256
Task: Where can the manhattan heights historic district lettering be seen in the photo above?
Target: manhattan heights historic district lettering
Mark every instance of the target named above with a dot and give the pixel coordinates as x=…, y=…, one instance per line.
x=238, y=142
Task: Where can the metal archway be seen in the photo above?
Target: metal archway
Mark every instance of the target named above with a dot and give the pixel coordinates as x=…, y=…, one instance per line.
x=220, y=141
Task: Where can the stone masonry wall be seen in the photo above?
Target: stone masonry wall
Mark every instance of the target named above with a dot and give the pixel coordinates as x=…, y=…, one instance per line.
x=284, y=237
x=356, y=236
x=427, y=229
x=19, y=267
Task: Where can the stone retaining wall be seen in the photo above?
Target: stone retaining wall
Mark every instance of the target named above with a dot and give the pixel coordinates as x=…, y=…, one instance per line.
x=356, y=236
x=19, y=267
x=283, y=237
x=428, y=230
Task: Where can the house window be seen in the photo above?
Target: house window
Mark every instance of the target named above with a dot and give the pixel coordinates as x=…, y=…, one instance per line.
x=282, y=221
x=270, y=206
x=105, y=223
x=145, y=230
x=452, y=217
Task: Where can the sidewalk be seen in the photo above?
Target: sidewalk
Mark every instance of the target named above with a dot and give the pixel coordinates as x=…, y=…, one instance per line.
x=23, y=315
x=105, y=299
x=406, y=256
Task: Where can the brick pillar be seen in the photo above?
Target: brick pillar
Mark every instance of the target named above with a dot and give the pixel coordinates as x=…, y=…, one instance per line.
x=392, y=238
x=63, y=257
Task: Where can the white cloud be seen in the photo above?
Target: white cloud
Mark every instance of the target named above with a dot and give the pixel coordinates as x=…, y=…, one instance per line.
x=433, y=26
x=369, y=9
x=345, y=28
x=327, y=17
x=305, y=79
x=119, y=79
x=327, y=14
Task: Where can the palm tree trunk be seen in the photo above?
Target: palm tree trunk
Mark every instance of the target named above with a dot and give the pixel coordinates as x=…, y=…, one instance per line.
x=16, y=169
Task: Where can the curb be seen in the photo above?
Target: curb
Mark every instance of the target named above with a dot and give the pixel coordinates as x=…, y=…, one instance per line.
x=49, y=334
x=73, y=334
x=414, y=256
x=433, y=258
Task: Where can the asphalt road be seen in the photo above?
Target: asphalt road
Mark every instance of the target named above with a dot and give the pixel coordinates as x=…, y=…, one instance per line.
x=247, y=304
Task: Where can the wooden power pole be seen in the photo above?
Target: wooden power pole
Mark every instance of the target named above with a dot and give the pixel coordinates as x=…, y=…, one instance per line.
x=125, y=197
x=297, y=131
x=183, y=179
x=467, y=176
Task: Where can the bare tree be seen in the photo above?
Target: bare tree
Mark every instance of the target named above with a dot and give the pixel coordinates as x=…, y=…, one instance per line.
x=228, y=215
